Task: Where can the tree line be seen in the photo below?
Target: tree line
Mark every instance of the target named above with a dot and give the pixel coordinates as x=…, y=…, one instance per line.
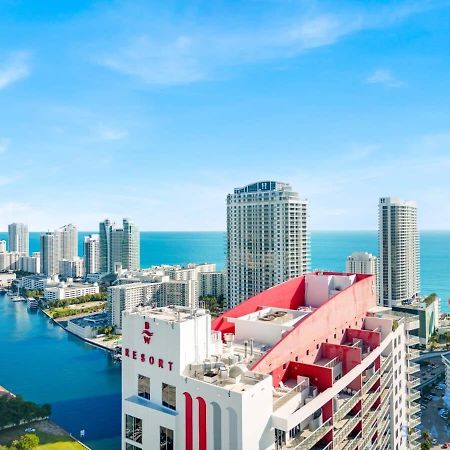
x=77, y=300
x=14, y=410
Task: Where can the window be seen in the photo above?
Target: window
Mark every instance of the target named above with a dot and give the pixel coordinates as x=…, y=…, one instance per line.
x=144, y=387
x=169, y=396
x=165, y=438
x=133, y=428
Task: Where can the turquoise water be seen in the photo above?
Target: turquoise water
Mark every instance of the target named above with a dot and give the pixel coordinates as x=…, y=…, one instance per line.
x=43, y=363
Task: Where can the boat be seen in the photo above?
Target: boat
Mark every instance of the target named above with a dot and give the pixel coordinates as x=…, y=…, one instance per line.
x=17, y=298
x=32, y=303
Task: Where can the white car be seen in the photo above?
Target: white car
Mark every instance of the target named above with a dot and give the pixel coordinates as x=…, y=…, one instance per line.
x=29, y=430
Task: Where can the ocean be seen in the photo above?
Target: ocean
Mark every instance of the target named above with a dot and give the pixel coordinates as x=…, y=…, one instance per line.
x=329, y=250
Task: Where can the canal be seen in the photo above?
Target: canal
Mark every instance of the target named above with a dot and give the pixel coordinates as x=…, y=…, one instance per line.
x=45, y=364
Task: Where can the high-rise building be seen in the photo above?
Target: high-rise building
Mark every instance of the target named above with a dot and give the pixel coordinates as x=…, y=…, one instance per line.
x=299, y=366
x=105, y=245
x=362, y=262
x=18, y=238
x=2, y=246
x=91, y=254
x=130, y=246
x=399, y=252
x=267, y=238
x=50, y=253
x=119, y=247
x=68, y=235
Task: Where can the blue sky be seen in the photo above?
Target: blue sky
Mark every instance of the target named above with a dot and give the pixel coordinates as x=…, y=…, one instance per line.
x=156, y=110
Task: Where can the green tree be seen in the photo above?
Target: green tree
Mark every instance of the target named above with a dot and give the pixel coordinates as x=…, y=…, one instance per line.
x=26, y=442
x=426, y=440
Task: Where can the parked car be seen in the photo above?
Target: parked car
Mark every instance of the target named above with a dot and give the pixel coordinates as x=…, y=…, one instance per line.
x=29, y=430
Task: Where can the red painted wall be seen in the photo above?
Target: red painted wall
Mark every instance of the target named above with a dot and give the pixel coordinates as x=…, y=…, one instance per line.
x=345, y=310
x=289, y=295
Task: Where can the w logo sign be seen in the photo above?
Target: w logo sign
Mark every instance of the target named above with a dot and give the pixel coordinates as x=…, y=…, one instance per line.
x=146, y=333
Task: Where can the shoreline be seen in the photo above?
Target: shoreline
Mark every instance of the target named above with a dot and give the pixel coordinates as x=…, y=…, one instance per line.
x=88, y=341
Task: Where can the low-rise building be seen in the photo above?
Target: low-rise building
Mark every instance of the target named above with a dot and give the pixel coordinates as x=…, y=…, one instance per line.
x=37, y=282
x=87, y=327
x=7, y=278
x=70, y=289
x=299, y=366
x=427, y=310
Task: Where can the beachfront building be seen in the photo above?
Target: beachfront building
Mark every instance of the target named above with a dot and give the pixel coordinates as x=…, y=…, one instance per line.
x=299, y=366
x=119, y=247
x=3, y=246
x=30, y=264
x=126, y=297
x=399, y=252
x=50, y=253
x=37, y=282
x=68, y=241
x=70, y=289
x=362, y=262
x=9, y=261
x=18, y=238
x=267, y=238
x=71, y=268
x=91, y=254
x=212, y=284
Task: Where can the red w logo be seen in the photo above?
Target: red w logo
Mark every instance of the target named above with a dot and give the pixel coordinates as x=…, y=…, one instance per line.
x=146, y=333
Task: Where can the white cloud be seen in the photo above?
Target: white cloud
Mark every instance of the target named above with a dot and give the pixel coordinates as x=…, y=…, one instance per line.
x=14, y=68
x=384, y=77
x=163, y=51
x=106, y=133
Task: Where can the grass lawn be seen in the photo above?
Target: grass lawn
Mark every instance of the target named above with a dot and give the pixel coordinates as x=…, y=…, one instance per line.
x=48, y=441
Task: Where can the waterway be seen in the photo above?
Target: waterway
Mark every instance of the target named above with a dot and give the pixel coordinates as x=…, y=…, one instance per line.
x=45, y=364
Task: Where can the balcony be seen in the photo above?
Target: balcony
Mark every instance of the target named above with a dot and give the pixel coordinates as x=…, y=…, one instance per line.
x=370, y=400
x=369, y=422
x=413, y=368
x=414, y=436
x=385, y=363
x=385, y=443
x=307, y=442
x=352, y=442
x=414, y=421
x=413, y=382
x=413, y=396
x=370, y=382
x=414, y=409
x=386, y=380
x=347, y=407
x=413, y=353
x=413, y=340
x=341, y=433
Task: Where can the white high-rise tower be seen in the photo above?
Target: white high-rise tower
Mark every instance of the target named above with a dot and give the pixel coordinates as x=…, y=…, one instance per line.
x=91, y=254
x=69, y=242
x=18, y=238
x=267, y=238
x=399, y=251
x=50, y=253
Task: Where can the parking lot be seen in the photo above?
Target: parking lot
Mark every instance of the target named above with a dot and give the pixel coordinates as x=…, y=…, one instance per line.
x=433, y=409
